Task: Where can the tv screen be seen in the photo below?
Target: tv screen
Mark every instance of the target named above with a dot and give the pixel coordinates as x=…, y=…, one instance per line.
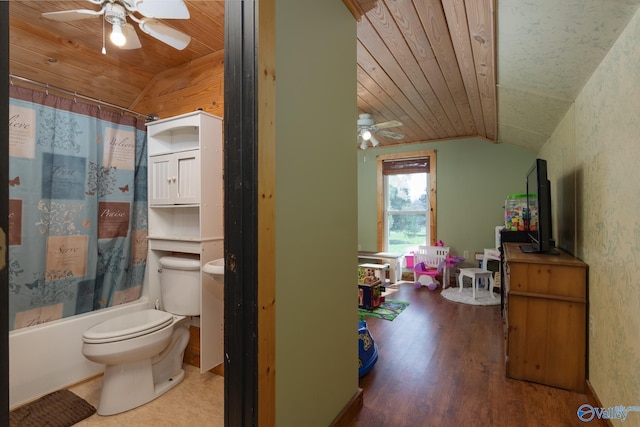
x=538, y=216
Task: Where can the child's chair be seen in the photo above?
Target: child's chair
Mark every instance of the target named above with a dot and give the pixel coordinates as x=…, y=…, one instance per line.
x=431, y=261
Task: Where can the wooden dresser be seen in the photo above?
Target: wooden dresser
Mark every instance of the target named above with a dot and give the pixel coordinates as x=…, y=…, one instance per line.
x=545, y=318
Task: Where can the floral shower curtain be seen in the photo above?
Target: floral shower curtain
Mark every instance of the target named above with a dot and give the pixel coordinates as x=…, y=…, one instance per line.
x=77, y=207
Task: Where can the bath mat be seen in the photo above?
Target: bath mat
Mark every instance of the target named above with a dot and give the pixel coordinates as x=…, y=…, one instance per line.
x=388, y=310
x=61, y=408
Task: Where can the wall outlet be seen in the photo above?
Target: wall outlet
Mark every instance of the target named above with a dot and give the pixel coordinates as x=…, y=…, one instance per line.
x=592, y=326
x=465, y=254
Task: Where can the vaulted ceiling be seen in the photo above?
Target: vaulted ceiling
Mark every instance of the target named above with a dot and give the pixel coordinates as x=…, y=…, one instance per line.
x=505, y=71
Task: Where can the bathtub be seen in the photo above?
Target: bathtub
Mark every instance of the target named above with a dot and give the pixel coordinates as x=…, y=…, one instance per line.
x=48, y=357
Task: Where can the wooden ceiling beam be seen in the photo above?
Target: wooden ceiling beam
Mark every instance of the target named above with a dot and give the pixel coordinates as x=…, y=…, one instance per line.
x=359, y=7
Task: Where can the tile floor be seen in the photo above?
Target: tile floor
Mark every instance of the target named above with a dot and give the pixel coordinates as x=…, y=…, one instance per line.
x=197, y=401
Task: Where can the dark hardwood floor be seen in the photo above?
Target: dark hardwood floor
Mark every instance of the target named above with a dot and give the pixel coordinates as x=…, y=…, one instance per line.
x=442, y=364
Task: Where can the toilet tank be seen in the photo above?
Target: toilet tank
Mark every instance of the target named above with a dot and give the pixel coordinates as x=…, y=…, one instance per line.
x=180, y=284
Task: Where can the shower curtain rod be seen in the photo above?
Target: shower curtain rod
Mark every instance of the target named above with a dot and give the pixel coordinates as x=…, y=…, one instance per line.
x=86, y=98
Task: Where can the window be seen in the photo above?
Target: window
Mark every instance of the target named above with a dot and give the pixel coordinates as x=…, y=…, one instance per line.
x=406, y=201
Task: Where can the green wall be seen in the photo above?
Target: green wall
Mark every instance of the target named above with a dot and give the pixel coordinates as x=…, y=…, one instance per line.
x=473, y=179
x=316, y=220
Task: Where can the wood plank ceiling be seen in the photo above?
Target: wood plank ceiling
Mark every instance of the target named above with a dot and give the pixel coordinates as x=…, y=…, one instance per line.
x=428, y=64
x=68, y=54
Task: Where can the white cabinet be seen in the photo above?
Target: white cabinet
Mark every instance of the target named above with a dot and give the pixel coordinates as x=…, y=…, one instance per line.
x=185, y=178
x=174, y=178
x=185, y=197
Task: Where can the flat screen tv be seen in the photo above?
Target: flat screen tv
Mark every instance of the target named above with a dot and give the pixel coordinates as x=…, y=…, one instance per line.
x=538, y=214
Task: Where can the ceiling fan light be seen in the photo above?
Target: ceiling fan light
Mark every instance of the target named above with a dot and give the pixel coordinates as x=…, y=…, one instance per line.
x=374, y=141
x=117, y=36
x=366, y=135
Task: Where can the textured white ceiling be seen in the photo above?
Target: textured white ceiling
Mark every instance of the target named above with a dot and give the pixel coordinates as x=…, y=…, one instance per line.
x=546, y=52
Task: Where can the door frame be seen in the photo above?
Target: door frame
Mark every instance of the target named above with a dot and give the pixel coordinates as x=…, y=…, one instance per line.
x=240, y=213
x=4, y=215
x=241, y=243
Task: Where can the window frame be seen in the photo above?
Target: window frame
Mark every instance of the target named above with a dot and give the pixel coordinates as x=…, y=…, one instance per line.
x=381, y=197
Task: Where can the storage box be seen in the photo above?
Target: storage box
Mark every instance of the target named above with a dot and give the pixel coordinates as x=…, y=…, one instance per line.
x=515, y=212
x=369, y=295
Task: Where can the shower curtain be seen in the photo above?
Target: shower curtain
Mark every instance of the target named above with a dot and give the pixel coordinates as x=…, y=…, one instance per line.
x=77, y=207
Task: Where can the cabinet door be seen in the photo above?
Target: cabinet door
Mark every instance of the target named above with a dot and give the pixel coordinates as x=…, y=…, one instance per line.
x=187, y=187
x=160, y=175
x=174, y=179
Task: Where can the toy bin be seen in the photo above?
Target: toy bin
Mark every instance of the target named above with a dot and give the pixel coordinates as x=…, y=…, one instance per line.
x=515, y=208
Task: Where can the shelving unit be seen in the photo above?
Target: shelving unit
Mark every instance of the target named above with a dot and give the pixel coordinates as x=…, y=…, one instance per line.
x=185, y=196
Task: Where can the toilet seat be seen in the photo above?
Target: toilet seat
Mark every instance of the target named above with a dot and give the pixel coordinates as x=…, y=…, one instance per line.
x=127, y=326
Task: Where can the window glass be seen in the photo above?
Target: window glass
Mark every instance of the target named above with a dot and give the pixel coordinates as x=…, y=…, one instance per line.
x=406, y=212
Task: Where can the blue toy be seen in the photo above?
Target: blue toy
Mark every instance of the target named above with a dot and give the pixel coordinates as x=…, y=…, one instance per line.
x=367, y=349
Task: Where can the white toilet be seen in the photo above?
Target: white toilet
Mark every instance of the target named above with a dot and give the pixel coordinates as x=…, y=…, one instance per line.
x=143, y=351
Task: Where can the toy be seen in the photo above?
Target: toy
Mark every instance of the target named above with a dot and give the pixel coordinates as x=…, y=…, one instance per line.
x=453, y=261
x=367, y=275
x=367, y=349
x=370, y=275
x=516, y=213
x=427, y=276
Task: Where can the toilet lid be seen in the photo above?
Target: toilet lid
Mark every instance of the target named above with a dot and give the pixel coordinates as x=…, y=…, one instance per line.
x=127, y=326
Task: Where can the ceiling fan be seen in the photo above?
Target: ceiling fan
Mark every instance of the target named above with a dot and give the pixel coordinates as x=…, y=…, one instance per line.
x=367, y=129
x=124, y=34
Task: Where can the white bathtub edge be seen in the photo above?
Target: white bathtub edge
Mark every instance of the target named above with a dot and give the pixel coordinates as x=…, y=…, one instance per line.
x=49, y=357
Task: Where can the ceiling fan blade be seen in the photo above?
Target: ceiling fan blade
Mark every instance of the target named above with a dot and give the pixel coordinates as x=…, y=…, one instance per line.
x=165, y=9
x=389, y=134
x=389, y=124
x=164, y=33
x=72, y=15
x=133, y=42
